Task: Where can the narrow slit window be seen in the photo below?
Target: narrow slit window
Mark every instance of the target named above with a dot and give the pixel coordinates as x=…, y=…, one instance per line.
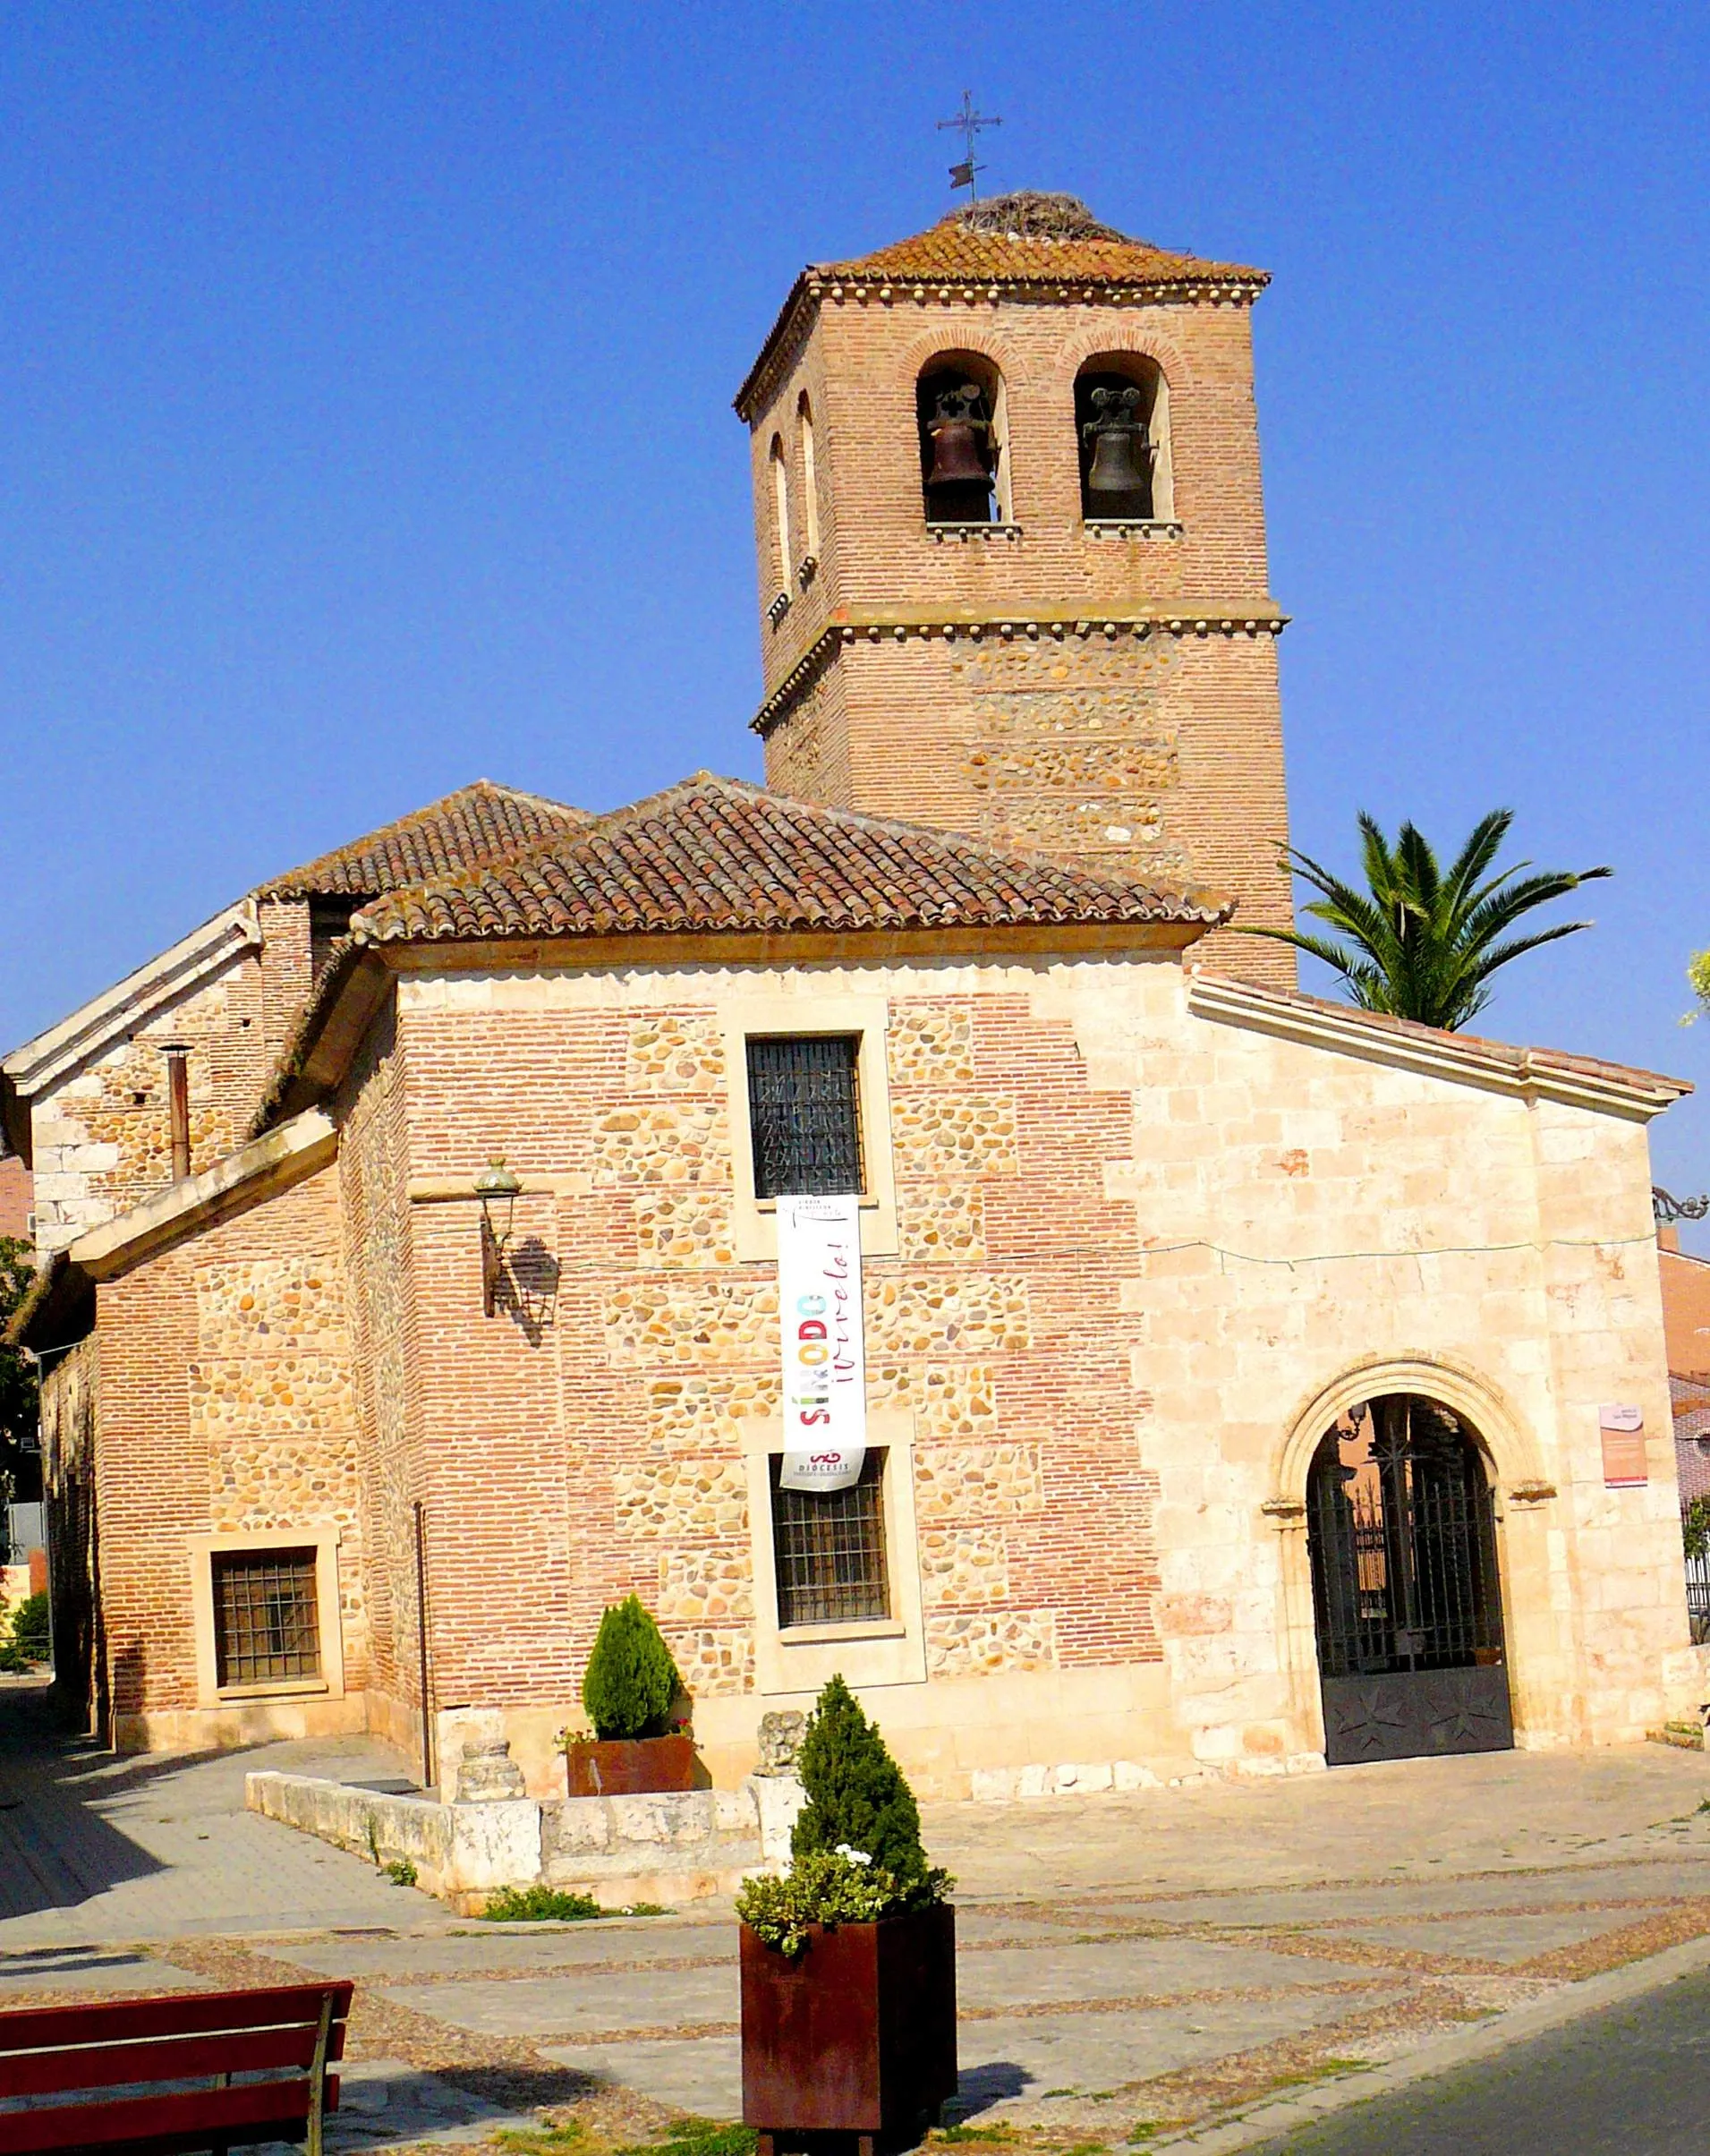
x=266, y=1625
x=805, y=1115
x=829, y=1550
x=781, y=509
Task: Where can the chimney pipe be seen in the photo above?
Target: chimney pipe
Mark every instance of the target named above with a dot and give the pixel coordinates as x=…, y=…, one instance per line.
x=178, y=1110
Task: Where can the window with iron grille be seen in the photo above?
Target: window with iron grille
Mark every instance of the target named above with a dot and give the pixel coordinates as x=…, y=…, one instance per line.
x=805, y=1115
x=266, y=1628
x=829, y=1550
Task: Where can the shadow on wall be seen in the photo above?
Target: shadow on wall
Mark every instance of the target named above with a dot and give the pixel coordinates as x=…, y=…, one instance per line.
x=527, y=1290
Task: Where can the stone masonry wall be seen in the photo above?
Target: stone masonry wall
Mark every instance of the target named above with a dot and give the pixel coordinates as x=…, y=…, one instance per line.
x=226, y=1405
x=591, y=1445
x=70, y=1388
x=1160, y=754
x=101, y=1136
x=1134, y=1247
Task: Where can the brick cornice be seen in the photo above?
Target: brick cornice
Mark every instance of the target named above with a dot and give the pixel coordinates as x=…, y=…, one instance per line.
x=815, y=287
x=1181, y=618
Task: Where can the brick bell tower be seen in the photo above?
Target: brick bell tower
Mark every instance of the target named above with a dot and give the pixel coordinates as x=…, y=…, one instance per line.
x=1012, y=557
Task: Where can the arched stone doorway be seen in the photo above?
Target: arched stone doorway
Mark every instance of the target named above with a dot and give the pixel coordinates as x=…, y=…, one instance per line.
x=1407, y=1597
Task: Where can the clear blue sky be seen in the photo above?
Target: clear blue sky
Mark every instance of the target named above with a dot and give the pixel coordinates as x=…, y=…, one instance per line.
x=364, y=416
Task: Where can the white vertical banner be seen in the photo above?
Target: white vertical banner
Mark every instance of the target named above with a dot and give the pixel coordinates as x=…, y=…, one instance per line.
x=819, y=1313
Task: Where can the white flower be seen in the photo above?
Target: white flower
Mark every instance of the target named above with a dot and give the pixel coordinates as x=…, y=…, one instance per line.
x=856, y=1856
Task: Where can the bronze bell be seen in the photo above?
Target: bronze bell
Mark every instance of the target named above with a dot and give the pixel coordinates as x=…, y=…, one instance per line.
x=1118, y=476
x=957, y=453
x=960, y=435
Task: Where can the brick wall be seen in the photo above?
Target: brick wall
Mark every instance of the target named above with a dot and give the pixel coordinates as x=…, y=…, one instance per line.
x=1158, y=754
x=1134, y=1247
x=69, y=1387
x=17, y=1204
x=102, y=1135
x=226, y=1405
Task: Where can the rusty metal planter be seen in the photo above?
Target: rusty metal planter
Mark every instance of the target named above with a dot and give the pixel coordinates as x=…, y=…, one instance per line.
x=856, y=2034
x=630, y=1767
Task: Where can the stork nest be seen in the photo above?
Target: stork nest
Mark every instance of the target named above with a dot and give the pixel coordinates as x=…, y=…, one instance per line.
x=1031, y=214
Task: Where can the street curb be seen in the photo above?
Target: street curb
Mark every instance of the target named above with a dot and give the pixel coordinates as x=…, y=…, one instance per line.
x=1447, y=2052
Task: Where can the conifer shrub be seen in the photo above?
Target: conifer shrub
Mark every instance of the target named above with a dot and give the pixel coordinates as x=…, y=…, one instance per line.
x=630, y=1679
x=856, y=1854
x=856, y=1795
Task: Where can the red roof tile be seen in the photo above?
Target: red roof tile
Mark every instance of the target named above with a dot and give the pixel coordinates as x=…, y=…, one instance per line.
x=1015, y=241
x=716, y=855
x=466, y=830
x=1034, y=238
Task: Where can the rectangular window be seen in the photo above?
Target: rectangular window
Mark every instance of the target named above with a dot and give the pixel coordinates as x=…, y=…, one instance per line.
x=805, y=1115
x=829, y=1550
x=265, y=1627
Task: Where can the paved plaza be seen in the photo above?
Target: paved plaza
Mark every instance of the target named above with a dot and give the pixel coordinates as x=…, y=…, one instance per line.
x=1130, y=1965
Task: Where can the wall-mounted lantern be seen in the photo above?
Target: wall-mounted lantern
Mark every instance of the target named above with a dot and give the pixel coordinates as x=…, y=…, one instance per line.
x=497, y=1187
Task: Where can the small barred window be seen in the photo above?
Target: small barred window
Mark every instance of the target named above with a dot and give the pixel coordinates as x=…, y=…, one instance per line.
x=805, y=1115
x=265, y=1626
x=829, y=1550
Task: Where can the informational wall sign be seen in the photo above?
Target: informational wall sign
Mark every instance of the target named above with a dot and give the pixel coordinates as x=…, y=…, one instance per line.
x=1623, y=1436
x=825, y=1375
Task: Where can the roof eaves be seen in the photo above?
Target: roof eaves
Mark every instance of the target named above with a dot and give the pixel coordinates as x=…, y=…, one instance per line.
x=1499, y=1066
x=257, y=1170
x=38, y=1062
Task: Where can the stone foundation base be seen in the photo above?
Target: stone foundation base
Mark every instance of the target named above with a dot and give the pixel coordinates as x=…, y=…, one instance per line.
x=239, y=1722
x=669, y=1849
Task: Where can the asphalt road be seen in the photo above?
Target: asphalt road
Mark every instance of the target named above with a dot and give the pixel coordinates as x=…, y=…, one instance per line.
x=1634, y=2079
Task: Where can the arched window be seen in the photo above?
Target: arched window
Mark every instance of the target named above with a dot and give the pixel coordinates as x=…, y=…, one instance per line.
x=1122, y=431
x=959, y=412
x=809, y=483
x=781, y=510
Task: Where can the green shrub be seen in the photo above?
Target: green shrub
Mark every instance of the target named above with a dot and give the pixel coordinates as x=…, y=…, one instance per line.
x=539, y=1906
x=31, y=1630
x=856, y=1796
x=401, y=1871
x=1695, y=1528
x=855, y=1854
x=631, y=1679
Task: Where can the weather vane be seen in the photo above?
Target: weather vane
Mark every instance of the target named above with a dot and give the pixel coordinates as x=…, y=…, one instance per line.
x=969, y=122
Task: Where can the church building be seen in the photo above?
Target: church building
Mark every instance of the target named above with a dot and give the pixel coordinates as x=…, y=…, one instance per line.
x=1250, y=1383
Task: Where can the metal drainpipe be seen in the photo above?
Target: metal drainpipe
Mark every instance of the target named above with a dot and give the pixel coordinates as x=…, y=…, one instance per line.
x=178, y=1110
x=422, y=1640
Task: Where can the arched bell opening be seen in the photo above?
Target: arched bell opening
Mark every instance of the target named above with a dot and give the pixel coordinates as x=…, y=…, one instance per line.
x=780, y=510
x=809, y=476
x=1406, y=1590
x=1122, y=429
x=959, y=410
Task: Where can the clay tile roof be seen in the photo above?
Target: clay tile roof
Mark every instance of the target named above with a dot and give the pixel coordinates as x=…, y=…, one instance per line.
x=466, y=830
x=1025, y=240
x=1030, y=239
x=712, y=854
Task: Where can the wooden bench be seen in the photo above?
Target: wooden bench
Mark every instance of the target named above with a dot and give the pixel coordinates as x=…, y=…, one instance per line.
x=111, y=2053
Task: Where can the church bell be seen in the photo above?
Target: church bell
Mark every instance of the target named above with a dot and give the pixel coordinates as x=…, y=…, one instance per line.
x=1118, y=473
x=959, y=484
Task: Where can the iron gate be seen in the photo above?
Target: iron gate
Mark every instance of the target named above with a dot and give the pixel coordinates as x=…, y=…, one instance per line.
x=1402, y=1530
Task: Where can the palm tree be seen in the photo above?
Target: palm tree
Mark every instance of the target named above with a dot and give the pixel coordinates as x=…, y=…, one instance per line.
x=1423, y=942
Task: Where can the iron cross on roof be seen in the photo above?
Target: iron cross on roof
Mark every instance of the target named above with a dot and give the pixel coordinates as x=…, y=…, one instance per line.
x=969, y=122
